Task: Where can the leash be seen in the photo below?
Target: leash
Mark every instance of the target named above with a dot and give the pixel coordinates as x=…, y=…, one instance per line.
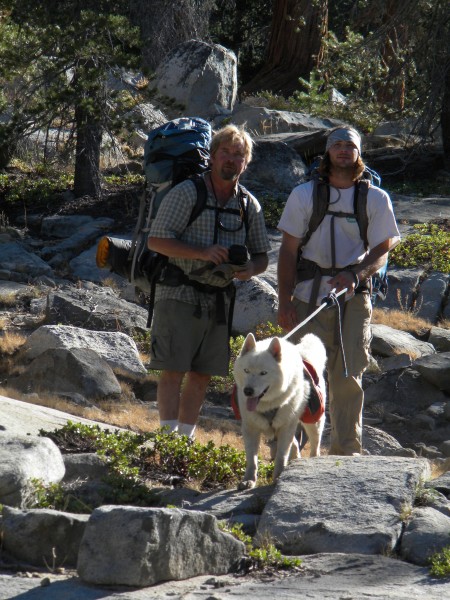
x=328, y=301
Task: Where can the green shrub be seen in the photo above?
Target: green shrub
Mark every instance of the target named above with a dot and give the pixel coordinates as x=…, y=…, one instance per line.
x=33, y=190
x=270, y=556
x=266, y=330
x=421, y=188
x=125, y=179
x=53, y=496
x=272, y=209
x=440, y=563
x=266, y=556
x=134, y=459
x=429, y=247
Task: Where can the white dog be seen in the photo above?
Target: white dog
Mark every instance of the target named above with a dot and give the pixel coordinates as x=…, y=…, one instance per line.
x=273, y=390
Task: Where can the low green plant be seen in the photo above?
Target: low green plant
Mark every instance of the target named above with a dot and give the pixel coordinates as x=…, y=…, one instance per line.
x=267, y=330
x=210, y=465
x=134, y=459
x=45, y=496
x=424, y=496
x=236, y=530
x=33, y=190
x=263, y=557
x=125, y=179
x=421, y=188
x=429, y=246
x=272, y=209
x=53, y=496
x=225, y=384
x=270, y=556
x=440, y=563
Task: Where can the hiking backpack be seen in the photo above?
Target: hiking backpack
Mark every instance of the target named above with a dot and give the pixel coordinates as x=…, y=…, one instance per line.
x=321, y=200
x=173, y=152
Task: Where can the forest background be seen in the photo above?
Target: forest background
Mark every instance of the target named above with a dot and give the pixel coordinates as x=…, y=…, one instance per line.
x=390, y=59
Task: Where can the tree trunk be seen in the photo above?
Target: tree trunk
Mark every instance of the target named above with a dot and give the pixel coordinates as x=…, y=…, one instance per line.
x=445, y=120
x=295, y=46
x=166, y=23
x=87, y=180
x=392, y=91
x=7, y=148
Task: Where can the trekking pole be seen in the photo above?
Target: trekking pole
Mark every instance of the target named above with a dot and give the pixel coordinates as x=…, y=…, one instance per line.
x=328, y=301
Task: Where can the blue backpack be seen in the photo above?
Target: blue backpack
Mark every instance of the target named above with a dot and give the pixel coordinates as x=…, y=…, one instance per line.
x=173, y=152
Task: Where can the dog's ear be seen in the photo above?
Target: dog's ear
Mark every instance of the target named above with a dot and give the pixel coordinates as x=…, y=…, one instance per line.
x=249, y=344
x=275, y=349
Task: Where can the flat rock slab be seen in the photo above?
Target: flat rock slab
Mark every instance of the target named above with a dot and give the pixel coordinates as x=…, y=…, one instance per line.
x=23, y=418
x=341, y=504
x=322, y=577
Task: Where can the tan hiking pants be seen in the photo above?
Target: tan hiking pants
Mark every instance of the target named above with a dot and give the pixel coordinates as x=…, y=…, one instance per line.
x=346, y=396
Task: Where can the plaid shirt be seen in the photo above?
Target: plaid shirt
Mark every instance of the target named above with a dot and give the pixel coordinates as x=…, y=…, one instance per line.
x=171, y=222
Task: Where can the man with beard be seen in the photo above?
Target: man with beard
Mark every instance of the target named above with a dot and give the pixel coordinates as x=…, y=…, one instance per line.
x=334, y=257
x=192, y=317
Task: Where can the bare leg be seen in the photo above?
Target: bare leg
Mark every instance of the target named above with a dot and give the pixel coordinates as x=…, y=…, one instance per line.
x=192, y=397
x=168, y=394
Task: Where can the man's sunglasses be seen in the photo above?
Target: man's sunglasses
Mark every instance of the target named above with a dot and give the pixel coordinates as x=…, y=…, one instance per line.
x=235, y=224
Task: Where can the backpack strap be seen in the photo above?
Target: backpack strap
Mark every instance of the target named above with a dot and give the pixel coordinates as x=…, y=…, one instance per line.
x=244, y=203
x=360, y=209
x=202, y=196
x=321, y=201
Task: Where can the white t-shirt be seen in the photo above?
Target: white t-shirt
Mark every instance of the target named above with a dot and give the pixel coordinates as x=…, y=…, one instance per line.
x=349, y=247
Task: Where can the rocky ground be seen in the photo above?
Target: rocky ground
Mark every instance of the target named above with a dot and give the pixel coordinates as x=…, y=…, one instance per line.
x=122, y=205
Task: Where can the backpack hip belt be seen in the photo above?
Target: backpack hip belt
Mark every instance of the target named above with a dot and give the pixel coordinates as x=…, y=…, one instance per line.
x=308, y=269
x=173, y=276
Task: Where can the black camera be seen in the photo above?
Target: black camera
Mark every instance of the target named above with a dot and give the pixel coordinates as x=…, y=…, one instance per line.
x=238, y=254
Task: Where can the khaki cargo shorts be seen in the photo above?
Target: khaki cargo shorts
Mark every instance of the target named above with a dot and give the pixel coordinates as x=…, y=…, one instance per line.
x=181, y=341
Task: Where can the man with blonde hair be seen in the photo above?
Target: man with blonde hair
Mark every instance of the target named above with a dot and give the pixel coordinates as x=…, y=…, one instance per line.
x=192, y=316
x=334, y=256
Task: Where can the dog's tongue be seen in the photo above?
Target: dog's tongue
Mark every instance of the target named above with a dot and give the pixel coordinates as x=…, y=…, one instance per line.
x=252, y=403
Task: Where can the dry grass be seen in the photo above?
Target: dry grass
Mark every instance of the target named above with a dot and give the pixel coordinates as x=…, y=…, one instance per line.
x=111, y=283
x=401, y=320
x=140, y=418
x=9, y=299
x=10, y=342
x=439, y=468
x=135, y=416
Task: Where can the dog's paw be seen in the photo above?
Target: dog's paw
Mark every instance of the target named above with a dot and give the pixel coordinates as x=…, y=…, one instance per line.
x=249, y=484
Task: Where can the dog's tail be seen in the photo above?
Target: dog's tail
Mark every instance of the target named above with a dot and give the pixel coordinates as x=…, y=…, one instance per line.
x=312, y=349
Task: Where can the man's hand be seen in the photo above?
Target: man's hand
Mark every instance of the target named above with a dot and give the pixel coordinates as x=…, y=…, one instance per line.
x=247, y=273
x=215, y=254
x=287, y=316
x=256, y=265
x=344, y=280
